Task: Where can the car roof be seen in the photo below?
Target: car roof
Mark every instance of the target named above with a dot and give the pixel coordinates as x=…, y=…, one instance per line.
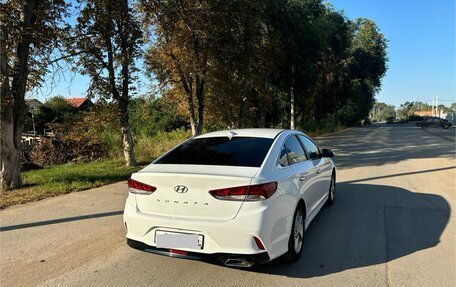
x=258, y=133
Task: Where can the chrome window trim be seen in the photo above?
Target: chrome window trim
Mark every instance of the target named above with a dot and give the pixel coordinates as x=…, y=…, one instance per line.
x=283, y=144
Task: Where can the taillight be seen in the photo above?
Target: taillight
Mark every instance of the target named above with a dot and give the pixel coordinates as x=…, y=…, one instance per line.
x=139, y=187
x=249, y=192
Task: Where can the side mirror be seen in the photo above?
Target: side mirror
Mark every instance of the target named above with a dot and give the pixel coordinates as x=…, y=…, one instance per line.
x=326, y=152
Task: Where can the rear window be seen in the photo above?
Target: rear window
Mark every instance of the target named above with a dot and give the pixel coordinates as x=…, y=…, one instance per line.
x=239, y=151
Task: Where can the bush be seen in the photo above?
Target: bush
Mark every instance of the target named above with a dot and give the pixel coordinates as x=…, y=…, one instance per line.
x=49, y=151
x=149, y=148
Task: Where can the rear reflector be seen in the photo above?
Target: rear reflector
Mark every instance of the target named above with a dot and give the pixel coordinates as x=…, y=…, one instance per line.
x=139, y=187
x=249, y=192
x=259, y=243
x=180, y=252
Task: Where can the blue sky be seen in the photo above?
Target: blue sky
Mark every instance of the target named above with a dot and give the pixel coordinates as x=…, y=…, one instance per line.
x=421, y=35
x=422, y=61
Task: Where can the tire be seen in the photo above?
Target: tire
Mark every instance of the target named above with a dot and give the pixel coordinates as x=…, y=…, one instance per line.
x=332, y=191
x=297, y=233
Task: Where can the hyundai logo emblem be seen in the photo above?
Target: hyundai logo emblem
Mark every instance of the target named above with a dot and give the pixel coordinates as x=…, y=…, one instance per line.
x=180, y=189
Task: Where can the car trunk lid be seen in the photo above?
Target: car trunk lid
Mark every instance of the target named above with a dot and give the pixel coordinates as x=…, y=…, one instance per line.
x=183, y=190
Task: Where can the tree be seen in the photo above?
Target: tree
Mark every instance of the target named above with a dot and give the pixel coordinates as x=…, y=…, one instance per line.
x=264, y=63
x=107, y=41
x=406, y=109
x=55, y=110
x=237, y=86
x=366, y=68
x=382, y=111
x=183, y=36
x=29, y=34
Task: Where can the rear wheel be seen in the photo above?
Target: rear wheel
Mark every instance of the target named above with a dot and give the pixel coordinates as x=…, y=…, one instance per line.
x=297, y=236
x=332, y=191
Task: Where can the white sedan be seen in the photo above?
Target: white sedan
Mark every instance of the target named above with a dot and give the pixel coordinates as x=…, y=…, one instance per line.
x=241, y=197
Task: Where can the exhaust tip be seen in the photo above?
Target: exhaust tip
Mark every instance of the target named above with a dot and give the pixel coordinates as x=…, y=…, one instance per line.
x=238, y=262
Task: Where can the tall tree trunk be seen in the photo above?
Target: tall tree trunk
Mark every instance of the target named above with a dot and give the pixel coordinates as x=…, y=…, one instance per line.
x=123, y=101
x=241, y=113
x=200, y=100
x=201, y=63
x=188, y=86
x=127, y=140
x=13, y=107
x=261, y=114
x=292, y=101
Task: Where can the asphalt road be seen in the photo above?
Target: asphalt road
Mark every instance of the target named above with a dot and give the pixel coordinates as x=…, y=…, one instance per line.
x=391, y=225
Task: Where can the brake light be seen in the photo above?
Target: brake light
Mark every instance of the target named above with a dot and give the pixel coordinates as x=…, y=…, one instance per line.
x=139, y=187
x=249, y=192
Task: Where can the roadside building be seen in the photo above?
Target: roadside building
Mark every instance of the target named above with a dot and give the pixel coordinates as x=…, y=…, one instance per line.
x=423, y=113
x=33, y=104
x=82, y=104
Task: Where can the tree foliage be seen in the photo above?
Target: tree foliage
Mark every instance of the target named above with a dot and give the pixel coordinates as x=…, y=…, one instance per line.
x=382, y=111
x=243, y=60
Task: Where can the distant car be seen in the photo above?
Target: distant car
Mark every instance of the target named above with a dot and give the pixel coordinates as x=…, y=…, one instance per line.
x=434, y=122
x=241, y=197
x=367, y=121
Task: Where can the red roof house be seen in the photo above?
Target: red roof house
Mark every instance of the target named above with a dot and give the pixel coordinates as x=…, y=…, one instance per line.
x=81, y=104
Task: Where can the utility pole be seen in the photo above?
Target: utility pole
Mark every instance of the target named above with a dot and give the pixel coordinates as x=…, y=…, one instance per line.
x=433, y=102
x=437, y=112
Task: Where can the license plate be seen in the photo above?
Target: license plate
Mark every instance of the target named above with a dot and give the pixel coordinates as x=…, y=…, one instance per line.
x=166, y=239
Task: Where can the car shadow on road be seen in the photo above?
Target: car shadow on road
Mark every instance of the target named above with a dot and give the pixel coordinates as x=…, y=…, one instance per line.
x=60, y=220
x=367, y=225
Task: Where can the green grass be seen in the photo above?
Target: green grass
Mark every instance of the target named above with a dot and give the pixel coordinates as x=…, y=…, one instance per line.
x=60, y=179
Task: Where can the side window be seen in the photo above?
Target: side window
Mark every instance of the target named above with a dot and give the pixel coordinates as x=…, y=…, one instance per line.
x=283, y=158
x=294, y=150
x=312, y=150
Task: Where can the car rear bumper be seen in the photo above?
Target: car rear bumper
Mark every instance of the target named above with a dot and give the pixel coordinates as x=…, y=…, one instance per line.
x=219, y=258
x=221, y=238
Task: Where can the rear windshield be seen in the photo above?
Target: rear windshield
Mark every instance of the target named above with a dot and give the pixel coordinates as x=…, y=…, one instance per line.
x=239, y=151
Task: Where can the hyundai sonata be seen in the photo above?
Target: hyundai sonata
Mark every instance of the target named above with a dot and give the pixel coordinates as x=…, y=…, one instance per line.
x=242, y=197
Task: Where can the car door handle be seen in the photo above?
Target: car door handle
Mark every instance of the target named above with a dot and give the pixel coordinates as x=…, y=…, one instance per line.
x=302, y=178
x=318, y=171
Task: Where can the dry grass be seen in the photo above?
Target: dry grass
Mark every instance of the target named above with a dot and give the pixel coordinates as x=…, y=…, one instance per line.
x=149, y=148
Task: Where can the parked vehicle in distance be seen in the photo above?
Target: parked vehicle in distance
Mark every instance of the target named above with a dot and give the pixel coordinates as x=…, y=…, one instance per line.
x=241, y=197
x=367, y=121
x=434, y=122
